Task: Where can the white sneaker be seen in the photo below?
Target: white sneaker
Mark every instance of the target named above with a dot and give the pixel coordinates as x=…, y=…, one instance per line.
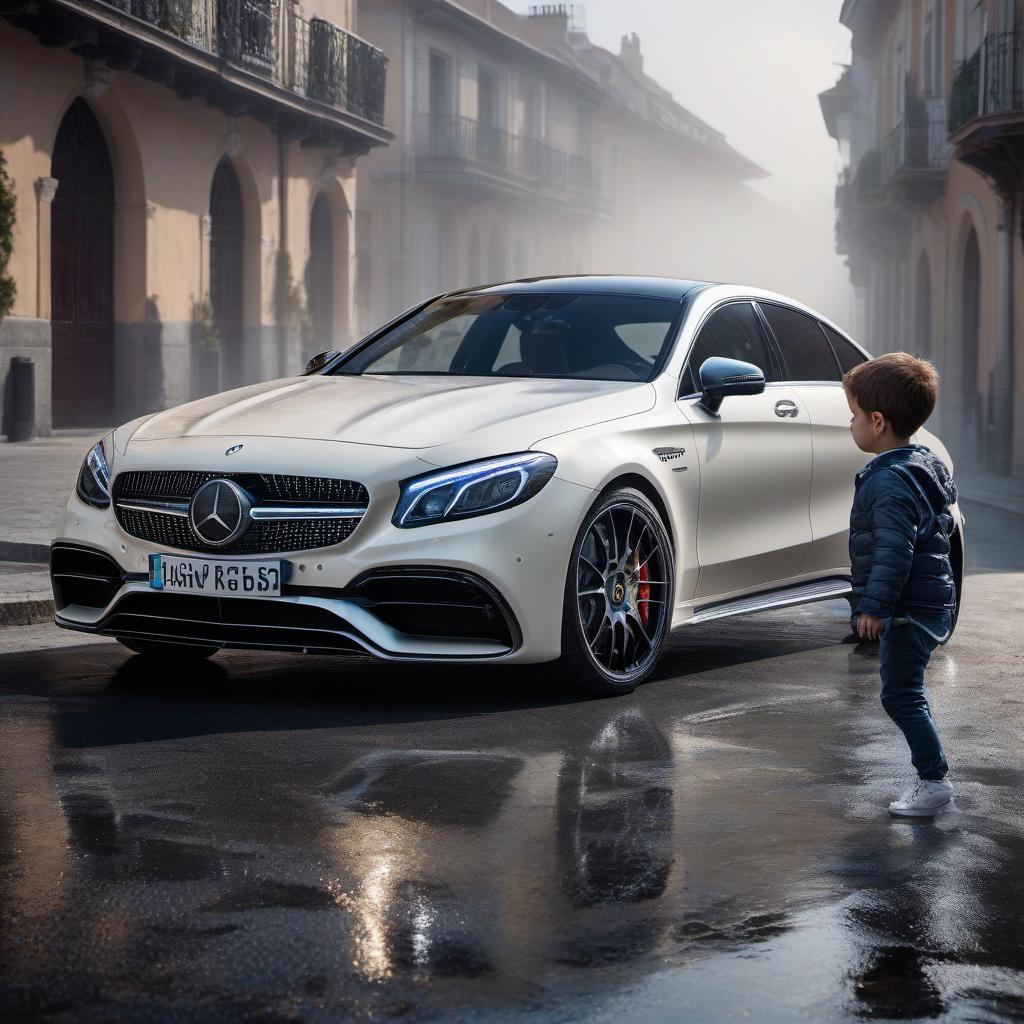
x=922, y=800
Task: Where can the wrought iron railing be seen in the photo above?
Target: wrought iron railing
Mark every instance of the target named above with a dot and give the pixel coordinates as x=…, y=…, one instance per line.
x=919, y=142
x=522, y=158
x=312, y=57
x=869, y=174
x=342, y=69
x=964, y=103
x=247, y=33
x=462, y=139
x=1004, y=72
x=187, y=19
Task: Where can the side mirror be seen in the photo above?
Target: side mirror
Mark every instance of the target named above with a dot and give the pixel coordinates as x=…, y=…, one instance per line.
x=720, y=377
x=320, y=360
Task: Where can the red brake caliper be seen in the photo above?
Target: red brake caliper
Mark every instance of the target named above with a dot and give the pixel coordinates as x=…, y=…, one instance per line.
x=643, y=593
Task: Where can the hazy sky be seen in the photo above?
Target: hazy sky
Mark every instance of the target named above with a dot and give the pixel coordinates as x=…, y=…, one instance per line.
x=753, y=70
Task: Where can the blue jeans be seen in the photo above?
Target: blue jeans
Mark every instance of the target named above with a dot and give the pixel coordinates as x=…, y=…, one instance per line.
x=903, y=653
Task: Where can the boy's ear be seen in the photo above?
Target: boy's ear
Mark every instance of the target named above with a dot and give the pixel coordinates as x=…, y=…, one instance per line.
x=878, y=421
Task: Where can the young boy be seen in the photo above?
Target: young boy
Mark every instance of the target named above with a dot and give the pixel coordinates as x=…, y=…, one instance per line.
x=900, y=525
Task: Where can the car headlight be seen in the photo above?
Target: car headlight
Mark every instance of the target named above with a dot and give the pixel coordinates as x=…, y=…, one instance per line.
x=94, y=478
x=473, y=489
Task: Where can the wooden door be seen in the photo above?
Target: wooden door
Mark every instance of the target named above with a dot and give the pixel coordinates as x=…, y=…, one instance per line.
x=227, y=236
x=81, y=268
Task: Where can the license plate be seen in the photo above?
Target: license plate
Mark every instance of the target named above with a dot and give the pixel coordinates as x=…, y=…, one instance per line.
x=218, y=577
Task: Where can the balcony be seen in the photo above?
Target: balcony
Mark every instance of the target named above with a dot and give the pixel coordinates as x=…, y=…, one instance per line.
x=311, y=79
x=473, y=155
x=964, y=100
x=866, y=219
x=915, y=154
x=987, y=117
x=345, y=72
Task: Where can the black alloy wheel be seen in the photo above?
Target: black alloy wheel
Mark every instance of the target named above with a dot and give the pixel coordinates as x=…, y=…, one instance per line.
x=618, y=598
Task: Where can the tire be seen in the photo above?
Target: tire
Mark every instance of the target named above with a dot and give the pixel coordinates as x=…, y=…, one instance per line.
x=621, y=563
x=168, y=650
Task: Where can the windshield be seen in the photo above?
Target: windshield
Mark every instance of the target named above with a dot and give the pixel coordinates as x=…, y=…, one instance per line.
x=583, y=337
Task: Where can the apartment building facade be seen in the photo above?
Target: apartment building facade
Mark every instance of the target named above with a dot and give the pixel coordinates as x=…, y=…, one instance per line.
x=523, y=149
x=930, y=122
x=184, y=174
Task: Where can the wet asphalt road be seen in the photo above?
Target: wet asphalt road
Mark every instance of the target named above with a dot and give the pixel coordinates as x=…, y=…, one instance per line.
x=284, y=839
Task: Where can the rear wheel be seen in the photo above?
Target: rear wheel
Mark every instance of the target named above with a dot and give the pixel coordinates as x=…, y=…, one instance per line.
x=165, y=649
x=956, y=557
x=618, y=597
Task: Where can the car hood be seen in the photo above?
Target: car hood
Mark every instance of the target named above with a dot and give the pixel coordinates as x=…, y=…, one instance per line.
x=402, y=411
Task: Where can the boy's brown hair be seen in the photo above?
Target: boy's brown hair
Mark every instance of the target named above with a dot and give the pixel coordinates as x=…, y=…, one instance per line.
x=900, y=386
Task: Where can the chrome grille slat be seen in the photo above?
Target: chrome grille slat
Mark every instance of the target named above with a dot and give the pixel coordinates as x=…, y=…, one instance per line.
x=147, y=504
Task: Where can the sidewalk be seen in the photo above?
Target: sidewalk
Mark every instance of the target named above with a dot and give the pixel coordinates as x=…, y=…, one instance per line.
x=38, y=476
x=1002, y=492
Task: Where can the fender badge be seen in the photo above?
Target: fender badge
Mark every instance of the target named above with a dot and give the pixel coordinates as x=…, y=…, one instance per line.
x=668, y=454
x=234, y=448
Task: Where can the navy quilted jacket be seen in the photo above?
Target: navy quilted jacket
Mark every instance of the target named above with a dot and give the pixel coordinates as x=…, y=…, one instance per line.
x=900, y=526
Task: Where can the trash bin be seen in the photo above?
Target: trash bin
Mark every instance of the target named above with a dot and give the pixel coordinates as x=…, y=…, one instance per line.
x=21, y=417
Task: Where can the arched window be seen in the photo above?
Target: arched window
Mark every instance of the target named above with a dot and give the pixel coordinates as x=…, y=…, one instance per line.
x=495, y=256
x=474, y=270
x=320, y=278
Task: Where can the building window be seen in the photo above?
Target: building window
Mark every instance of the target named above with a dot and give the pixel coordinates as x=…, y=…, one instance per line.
x=440, y=85
x=932, y=45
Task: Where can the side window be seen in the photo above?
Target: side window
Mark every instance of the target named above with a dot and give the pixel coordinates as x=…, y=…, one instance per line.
x=806, y=351
x=733, y=332
x=847, y=355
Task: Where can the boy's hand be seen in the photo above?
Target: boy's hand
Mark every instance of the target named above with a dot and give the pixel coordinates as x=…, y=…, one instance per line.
x=870, y=627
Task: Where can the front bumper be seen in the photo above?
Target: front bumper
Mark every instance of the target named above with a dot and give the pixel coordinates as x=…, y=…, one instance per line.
x=407, y=614
x=484, y=589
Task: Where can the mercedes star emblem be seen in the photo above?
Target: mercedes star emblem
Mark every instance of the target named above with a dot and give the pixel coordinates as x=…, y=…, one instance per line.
x=219, y=512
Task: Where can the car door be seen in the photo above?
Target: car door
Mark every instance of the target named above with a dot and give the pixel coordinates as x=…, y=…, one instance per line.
x=754, y=455
x=814, y=365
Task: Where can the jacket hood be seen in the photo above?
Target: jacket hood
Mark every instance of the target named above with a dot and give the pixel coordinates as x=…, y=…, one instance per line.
x=925, y=473
x=403, y=411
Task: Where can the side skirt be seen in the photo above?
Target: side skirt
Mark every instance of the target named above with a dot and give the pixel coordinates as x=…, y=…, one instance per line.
x=801, y=593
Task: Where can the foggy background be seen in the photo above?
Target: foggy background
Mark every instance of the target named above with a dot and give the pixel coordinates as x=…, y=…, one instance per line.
x=753, y=70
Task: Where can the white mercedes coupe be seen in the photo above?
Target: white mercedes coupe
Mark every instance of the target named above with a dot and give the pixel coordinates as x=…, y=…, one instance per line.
x=557, y=470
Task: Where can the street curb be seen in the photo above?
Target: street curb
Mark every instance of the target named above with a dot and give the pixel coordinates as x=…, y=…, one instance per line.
x=1003, y=504
x=27, y=610
x=19, y=551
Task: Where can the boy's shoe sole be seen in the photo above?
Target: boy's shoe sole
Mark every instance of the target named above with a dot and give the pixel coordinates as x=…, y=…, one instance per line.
x=919, y=812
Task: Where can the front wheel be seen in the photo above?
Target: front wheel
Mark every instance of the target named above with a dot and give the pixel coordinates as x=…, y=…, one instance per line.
x=618, y=599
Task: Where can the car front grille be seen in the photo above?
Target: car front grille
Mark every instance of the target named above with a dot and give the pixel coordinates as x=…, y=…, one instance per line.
x=298, y=532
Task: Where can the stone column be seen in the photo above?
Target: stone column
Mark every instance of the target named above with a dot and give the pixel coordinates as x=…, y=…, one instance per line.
x=46, y=189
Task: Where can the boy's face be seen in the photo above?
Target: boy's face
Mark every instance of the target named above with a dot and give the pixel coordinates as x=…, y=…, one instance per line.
x=869, y=429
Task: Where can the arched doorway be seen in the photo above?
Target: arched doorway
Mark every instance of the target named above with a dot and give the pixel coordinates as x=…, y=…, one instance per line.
x=923, y=309
x=320, y=277
x=82, y=272
x=227, y=243
x=433, y=255
x=970, y=336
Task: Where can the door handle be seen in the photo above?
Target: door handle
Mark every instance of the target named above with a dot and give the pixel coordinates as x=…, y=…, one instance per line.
x=786, y=407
